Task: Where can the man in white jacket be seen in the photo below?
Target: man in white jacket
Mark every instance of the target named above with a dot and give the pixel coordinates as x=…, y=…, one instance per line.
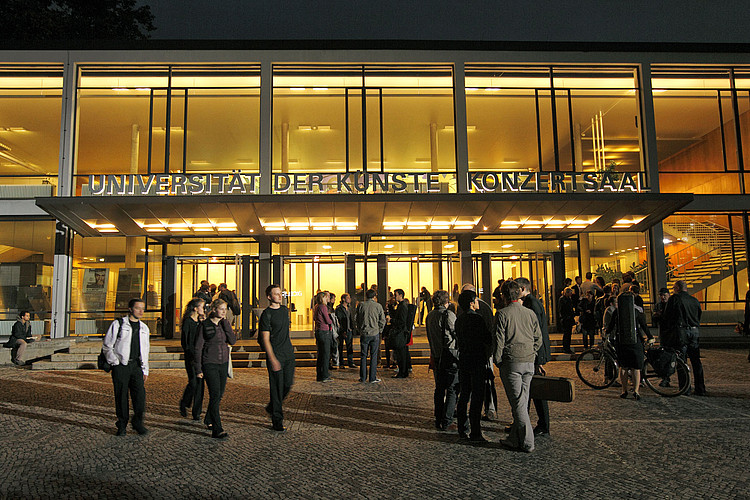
x=126, y=347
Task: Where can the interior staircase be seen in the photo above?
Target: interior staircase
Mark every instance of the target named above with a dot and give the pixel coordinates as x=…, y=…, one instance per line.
x=710, y=248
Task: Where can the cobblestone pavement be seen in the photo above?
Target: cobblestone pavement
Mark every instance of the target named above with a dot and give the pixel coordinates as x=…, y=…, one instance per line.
x=353, y=440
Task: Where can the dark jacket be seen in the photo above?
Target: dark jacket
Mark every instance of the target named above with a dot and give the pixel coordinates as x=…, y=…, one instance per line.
x=344, y=316
x=18, y=332
x=587, y=313
x=544, y=354
x=566, y=310
x=203, y=294
x=399, y=319
x=190, y=332
x=682, y=311
x=474, y=341
x=211, y=347
x=643, y=333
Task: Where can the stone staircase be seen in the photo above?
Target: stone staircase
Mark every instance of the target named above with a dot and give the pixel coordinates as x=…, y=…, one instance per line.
x=81, y=353
x=715, y=261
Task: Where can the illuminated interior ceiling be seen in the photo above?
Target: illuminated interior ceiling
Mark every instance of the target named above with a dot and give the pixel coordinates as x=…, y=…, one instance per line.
x=551, y=215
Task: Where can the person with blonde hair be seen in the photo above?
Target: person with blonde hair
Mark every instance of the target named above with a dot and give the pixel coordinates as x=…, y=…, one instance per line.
x=212, y=358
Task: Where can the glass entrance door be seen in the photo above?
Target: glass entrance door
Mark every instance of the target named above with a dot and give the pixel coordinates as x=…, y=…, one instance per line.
x=537, y=267
x=216, y=270
x=304, y=277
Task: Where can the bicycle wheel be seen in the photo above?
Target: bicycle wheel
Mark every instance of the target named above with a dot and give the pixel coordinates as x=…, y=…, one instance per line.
x=595, y=369
x=674, y=385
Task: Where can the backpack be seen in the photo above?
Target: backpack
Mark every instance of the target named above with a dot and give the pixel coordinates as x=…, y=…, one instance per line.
x=235, y=305
x=101, y=361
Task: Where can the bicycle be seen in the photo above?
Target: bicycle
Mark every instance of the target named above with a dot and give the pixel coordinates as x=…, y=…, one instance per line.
x=598, y=368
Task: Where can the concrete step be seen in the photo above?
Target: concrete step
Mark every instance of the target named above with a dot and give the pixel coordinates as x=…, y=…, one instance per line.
x=37, y=350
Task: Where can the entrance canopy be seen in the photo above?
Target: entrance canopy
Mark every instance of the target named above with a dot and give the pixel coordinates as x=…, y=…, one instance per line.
x=552, y=215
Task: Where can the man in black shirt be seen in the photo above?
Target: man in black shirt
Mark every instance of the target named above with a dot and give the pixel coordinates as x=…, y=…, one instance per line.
x=275, y=341
x=682, y=317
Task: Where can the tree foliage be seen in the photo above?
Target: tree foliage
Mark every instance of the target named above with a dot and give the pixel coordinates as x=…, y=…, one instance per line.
x=59, y=20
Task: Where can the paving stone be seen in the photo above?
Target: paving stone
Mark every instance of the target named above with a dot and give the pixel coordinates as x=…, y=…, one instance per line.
x=353, y=440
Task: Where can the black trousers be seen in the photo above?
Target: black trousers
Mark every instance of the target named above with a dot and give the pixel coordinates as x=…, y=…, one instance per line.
x=129, y=379
x=323, y=339
x=215, y=375
x=447, y=389
x=193, y=393
x=542, y=412
x=471, y=379
x=567, y=328
x=279, y=385
x=691, y=349
x=402, y=360
x=348, y=339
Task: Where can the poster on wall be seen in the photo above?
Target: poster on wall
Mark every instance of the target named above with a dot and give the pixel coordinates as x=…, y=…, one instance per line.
x=129, y=286
x=94, y=290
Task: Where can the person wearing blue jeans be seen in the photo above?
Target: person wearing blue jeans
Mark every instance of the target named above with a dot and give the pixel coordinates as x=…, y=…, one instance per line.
x=370, y=321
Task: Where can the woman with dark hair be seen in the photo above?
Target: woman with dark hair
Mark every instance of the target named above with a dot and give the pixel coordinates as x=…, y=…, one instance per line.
x=629, y=340
x=212, y=358
x=323, y=336
x=600, y=281
x=190, y=329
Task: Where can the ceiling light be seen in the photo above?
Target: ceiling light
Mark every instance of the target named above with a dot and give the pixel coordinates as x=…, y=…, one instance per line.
x=532, y=226
x=297, y=89
x=566, y=245
x=463, y=227
x=322, y=228
x=667, y=241
x=449, y=246
x=417, y=227
x=327, y=247
x=440, y=227
x=508, y=226
x=205, y=249
x=508, y=245
x=387, y=246
x=485, y=228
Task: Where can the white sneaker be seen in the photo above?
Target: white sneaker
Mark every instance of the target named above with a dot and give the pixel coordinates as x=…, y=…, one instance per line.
x=376, y=381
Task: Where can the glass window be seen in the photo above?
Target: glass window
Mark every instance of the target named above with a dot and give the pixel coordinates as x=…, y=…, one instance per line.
x=695, y=129
x=31, y=104
x=405, y=123
x=106, y=274
x=514, y=123
x=26, y=263
x=167, y=119
x=708, y=252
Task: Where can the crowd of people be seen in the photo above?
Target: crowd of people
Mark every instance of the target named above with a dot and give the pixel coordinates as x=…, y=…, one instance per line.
x=467, y=342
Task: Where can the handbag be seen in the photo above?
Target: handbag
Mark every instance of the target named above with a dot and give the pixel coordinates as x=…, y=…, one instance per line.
x=101, y=360
x=230, y=370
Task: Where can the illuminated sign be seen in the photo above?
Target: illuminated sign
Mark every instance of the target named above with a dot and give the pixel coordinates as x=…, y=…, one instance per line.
x=239, y=183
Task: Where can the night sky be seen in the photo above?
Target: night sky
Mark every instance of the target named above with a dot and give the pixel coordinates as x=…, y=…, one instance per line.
x=692, y=21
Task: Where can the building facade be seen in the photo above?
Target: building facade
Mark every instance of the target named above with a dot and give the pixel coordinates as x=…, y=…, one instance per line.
x=129, y=173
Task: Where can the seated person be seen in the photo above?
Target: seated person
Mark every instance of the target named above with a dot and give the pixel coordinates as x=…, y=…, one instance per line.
x=20, y=336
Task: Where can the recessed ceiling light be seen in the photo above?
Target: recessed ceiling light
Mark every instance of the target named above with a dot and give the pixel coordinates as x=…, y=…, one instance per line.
x=205, y=249
x=327, y=247
x=507, y=245
x=388, y=246
x=449, y=246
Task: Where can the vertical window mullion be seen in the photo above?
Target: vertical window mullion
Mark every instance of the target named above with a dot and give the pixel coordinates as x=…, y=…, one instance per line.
x=538, y=129
x=184, y=133
x=382, y=159
x=364, y=122
x=737, y=132
x=553, y=102
x=734, y=268
x=721, y=128
x=570, y=125
x=168, y=127
x=346, y=125
x=150, y=128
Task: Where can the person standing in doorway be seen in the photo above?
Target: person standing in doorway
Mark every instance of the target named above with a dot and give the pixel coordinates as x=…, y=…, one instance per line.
x=190, y=330
x=346, y=334
x=567, y=312
x=370, y=323
x=212, y=358
x=275, y=340
x=425, y=304
x=323, y=336
x=126, y=347
x=399, y=333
